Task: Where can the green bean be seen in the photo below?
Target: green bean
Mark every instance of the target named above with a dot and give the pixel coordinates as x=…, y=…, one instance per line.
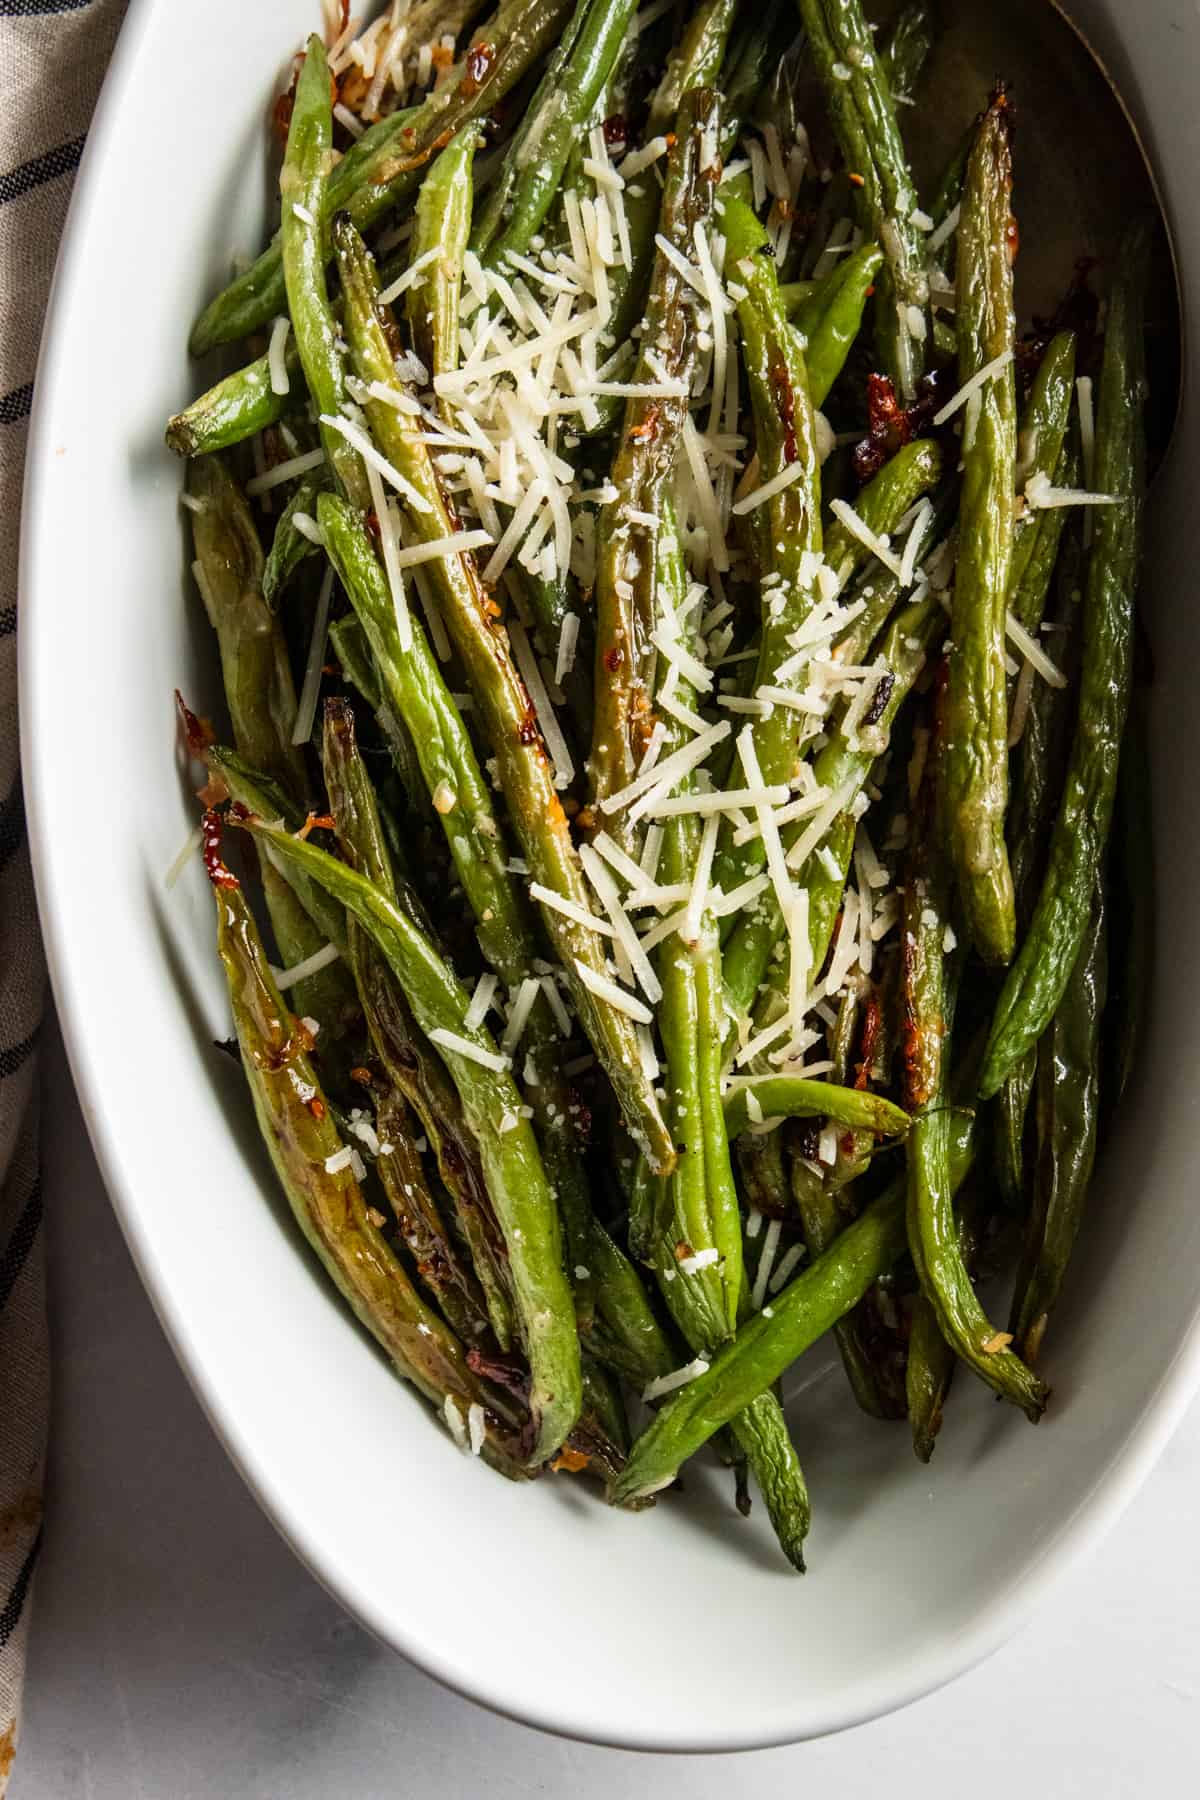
x=1036, y=982
x=360, y=837
x=447, y=1276
x=792, y=1097
x=603, y=1408
x=245, y=402
x=262, y=708
x=878, y=591
x=822, y=1219
x=237, y=407
x=303, y=234
x=699, y=1211
x=526, y=776
x=386, y=164
x=641, y=470
x=1068, y=1098
x=254, y=663
x=905, y=48
x=289, y=545
x=762, y=1174
x=931, y=978
x=415, y=689
x=627, y=1336
x=766, y=1344
x=353, y=651
x=830, y=318
x=976, y=760
x=1027, y=595
x=441, y=227
x=264, y=795
x=1042, y=450
x=533, y=166
x=931, y=1362
x=516, y=1181
x=695, y=62
x=864, y=120
x=762, y=1435
x=758, y=45
x=303, y=1140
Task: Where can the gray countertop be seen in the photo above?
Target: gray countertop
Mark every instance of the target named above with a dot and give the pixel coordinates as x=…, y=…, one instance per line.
x=181, y=1653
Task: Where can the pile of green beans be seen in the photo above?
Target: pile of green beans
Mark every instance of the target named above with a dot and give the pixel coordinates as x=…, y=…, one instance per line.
x=701, y=937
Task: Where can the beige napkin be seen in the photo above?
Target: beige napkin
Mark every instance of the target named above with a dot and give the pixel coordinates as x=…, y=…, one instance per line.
x=53, y=54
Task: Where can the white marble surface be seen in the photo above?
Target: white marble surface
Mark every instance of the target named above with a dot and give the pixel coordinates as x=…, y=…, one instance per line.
x=181, y=1653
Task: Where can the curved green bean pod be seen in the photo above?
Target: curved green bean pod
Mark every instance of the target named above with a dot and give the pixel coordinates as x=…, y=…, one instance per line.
x=1037, y=980
x=299, y=1131
x=627, y=1336
x=793, y=1097
x=516, y=1181
x=976, y=757
x=830, y=318
x=237, y=406
x=261, y=698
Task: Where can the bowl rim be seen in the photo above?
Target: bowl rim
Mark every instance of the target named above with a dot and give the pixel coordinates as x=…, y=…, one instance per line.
x=1078, y=1533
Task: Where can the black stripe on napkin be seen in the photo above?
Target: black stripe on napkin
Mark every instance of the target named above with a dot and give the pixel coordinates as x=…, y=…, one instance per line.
x=38, y=9
x=17, y=1249
x=12, y=1058
x=39, y=169
x=16, y=405
x=14, y=1606
x=12, y=824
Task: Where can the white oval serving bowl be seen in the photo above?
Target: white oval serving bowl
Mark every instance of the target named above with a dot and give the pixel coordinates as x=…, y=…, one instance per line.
x=675, y=1630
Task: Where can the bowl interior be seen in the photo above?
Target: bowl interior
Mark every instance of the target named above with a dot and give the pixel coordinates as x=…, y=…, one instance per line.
x=678, y=1629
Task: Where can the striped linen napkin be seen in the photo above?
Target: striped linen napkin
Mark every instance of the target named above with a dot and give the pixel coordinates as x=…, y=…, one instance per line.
x=53, y=54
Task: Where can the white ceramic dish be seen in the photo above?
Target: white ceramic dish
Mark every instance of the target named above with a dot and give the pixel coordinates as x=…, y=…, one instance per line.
x=677, y=1630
